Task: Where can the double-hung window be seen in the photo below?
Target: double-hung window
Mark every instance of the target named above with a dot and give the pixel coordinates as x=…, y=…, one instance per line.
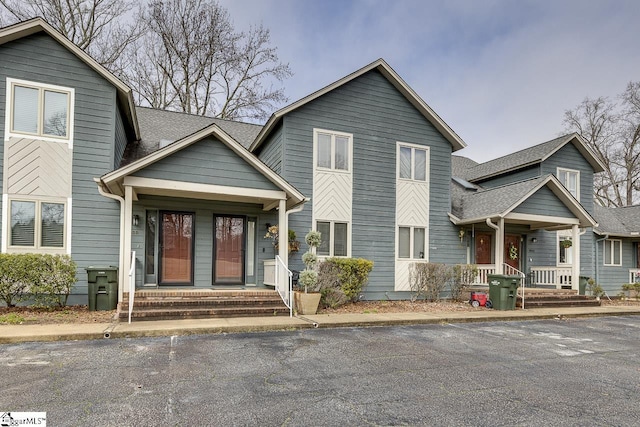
x=565, y=248
x=412, y=163
x=571, y=180
x=40, y=110
x=613, y=252
x=37, y=224
x=333, y=150
x=411, y=242
x=334, y=238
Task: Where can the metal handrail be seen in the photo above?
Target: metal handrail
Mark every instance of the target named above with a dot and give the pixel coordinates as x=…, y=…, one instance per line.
x=132, y=283
x=514, y=271
x=285, y=292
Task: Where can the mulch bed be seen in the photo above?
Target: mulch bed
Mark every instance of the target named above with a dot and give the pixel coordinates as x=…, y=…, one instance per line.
x=53, y=315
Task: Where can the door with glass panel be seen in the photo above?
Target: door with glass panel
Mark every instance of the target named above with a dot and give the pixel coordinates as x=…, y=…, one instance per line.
x=176, y=242
x=228, y=250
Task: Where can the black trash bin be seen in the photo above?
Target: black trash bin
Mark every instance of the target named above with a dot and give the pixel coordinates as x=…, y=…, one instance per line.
x=103, y=287
x=503, y=291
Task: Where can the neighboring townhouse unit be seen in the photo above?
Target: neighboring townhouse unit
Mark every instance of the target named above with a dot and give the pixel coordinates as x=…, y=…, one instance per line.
x=174, y=199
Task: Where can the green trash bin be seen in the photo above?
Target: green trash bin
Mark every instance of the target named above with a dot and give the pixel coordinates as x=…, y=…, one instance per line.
x=503, y=291
x=582, y=284
x=103, y=287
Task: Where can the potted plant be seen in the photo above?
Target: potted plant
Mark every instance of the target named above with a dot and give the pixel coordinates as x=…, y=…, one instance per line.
x=307, y=301
x=566, y=243
x=273, y=234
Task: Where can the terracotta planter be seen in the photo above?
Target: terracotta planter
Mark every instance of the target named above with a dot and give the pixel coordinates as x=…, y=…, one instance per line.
x=307, y=303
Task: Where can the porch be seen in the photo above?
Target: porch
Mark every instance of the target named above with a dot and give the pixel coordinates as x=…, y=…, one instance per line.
x=542, y=277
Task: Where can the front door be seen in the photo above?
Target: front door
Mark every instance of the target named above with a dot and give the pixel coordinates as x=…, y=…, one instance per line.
x=483, y=248
x=229, y=250
x=512, y=250
x=176, y=248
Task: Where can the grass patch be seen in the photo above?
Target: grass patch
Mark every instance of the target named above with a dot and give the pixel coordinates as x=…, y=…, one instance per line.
x=11, y=319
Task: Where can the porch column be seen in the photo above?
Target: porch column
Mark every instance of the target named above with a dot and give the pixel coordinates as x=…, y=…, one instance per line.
x=283, y=235
x=500, y=247
x=128, y=208
x=575, y=272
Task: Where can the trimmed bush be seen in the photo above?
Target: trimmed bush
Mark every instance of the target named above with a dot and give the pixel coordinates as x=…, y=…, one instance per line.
x=346, y=276
x=463, y=276
x=428, y=280
x=46, y=279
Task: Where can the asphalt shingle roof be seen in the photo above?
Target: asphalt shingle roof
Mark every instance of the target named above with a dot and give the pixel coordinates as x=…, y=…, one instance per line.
x=157, y=125
x=618, y=221
x=515, y=160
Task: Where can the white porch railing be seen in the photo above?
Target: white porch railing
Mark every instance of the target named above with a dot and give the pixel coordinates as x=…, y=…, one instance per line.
x=551, y=276
x=132, y=283
x=284, y=283
x=634, y=275
x=512, y=271
x=484, y=270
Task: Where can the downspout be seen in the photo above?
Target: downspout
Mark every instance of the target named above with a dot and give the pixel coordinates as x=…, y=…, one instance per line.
x=498, y=244
x=297, y=208
x=606, y=236
x=121, y=255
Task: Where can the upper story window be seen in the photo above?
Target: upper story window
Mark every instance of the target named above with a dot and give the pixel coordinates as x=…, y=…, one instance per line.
x=571, y=180
x=412, y=162
x=613, y=252
x=333, y=150
x=40, y=110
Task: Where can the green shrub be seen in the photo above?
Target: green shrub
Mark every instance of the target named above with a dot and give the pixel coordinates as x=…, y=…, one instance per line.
x=463, y=276
x=632, y=287
x=349, y=275
x=428, y=279
x=47, y=279
x=594, y=288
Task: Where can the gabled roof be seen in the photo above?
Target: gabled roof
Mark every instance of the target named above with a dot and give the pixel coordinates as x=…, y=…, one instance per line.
x=618, y=222
x=393, y=78
x=164, y=126
x=499, y=202
x=113, y=180
x=532, y=156
x=36, y=25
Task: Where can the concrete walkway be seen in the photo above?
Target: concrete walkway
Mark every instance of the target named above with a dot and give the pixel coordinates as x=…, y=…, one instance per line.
x=87, y=331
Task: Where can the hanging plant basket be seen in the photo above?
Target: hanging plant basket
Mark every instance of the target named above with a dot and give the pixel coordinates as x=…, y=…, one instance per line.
x=566, y=243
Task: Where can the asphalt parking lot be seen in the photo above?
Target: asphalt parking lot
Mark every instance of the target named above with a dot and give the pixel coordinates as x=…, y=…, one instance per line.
x=551, y=372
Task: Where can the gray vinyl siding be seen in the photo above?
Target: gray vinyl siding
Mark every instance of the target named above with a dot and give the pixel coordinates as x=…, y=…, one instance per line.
x=544, y=252
x=378, y=116
x=544, y=202
x=611, y=278
x=120, y=141
x=203, y=231
x=38, y=58
x=208, y=161
x=271, y=152
x=519, y=175
x=568, y=157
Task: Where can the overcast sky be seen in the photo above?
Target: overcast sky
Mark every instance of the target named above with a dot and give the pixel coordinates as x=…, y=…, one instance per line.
x=501, y=73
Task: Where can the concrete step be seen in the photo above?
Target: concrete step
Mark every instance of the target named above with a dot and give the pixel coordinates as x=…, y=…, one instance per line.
x=200, y=313
x=201, y=302
x=558, y=302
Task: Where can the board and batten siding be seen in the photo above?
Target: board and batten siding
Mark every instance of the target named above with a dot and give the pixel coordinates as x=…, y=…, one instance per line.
x=203, y=231
x=207, y=161
x=377, y=116
x=40, y=59
x=544, y=202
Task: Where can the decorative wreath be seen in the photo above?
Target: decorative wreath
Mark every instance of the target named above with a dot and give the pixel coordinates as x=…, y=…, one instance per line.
x=513, y=252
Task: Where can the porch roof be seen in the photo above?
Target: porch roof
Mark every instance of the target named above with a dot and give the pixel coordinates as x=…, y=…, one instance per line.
x=502, y=202
x=115, y=182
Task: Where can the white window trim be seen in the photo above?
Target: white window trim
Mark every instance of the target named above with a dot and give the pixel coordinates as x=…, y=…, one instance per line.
x=412, y=256
x=604, y=253
x=331, y=237
x=413, y=161
x=9, y=133
x=560, y=235
x=333, y=134
x=37, y=248
x=577, y=172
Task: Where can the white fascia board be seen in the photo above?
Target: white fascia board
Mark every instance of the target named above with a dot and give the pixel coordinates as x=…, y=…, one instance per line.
x=456, y=142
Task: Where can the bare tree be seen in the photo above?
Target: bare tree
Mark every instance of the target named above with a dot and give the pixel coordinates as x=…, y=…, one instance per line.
x=612, y=131
x=192, y=60
x=96, y=26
